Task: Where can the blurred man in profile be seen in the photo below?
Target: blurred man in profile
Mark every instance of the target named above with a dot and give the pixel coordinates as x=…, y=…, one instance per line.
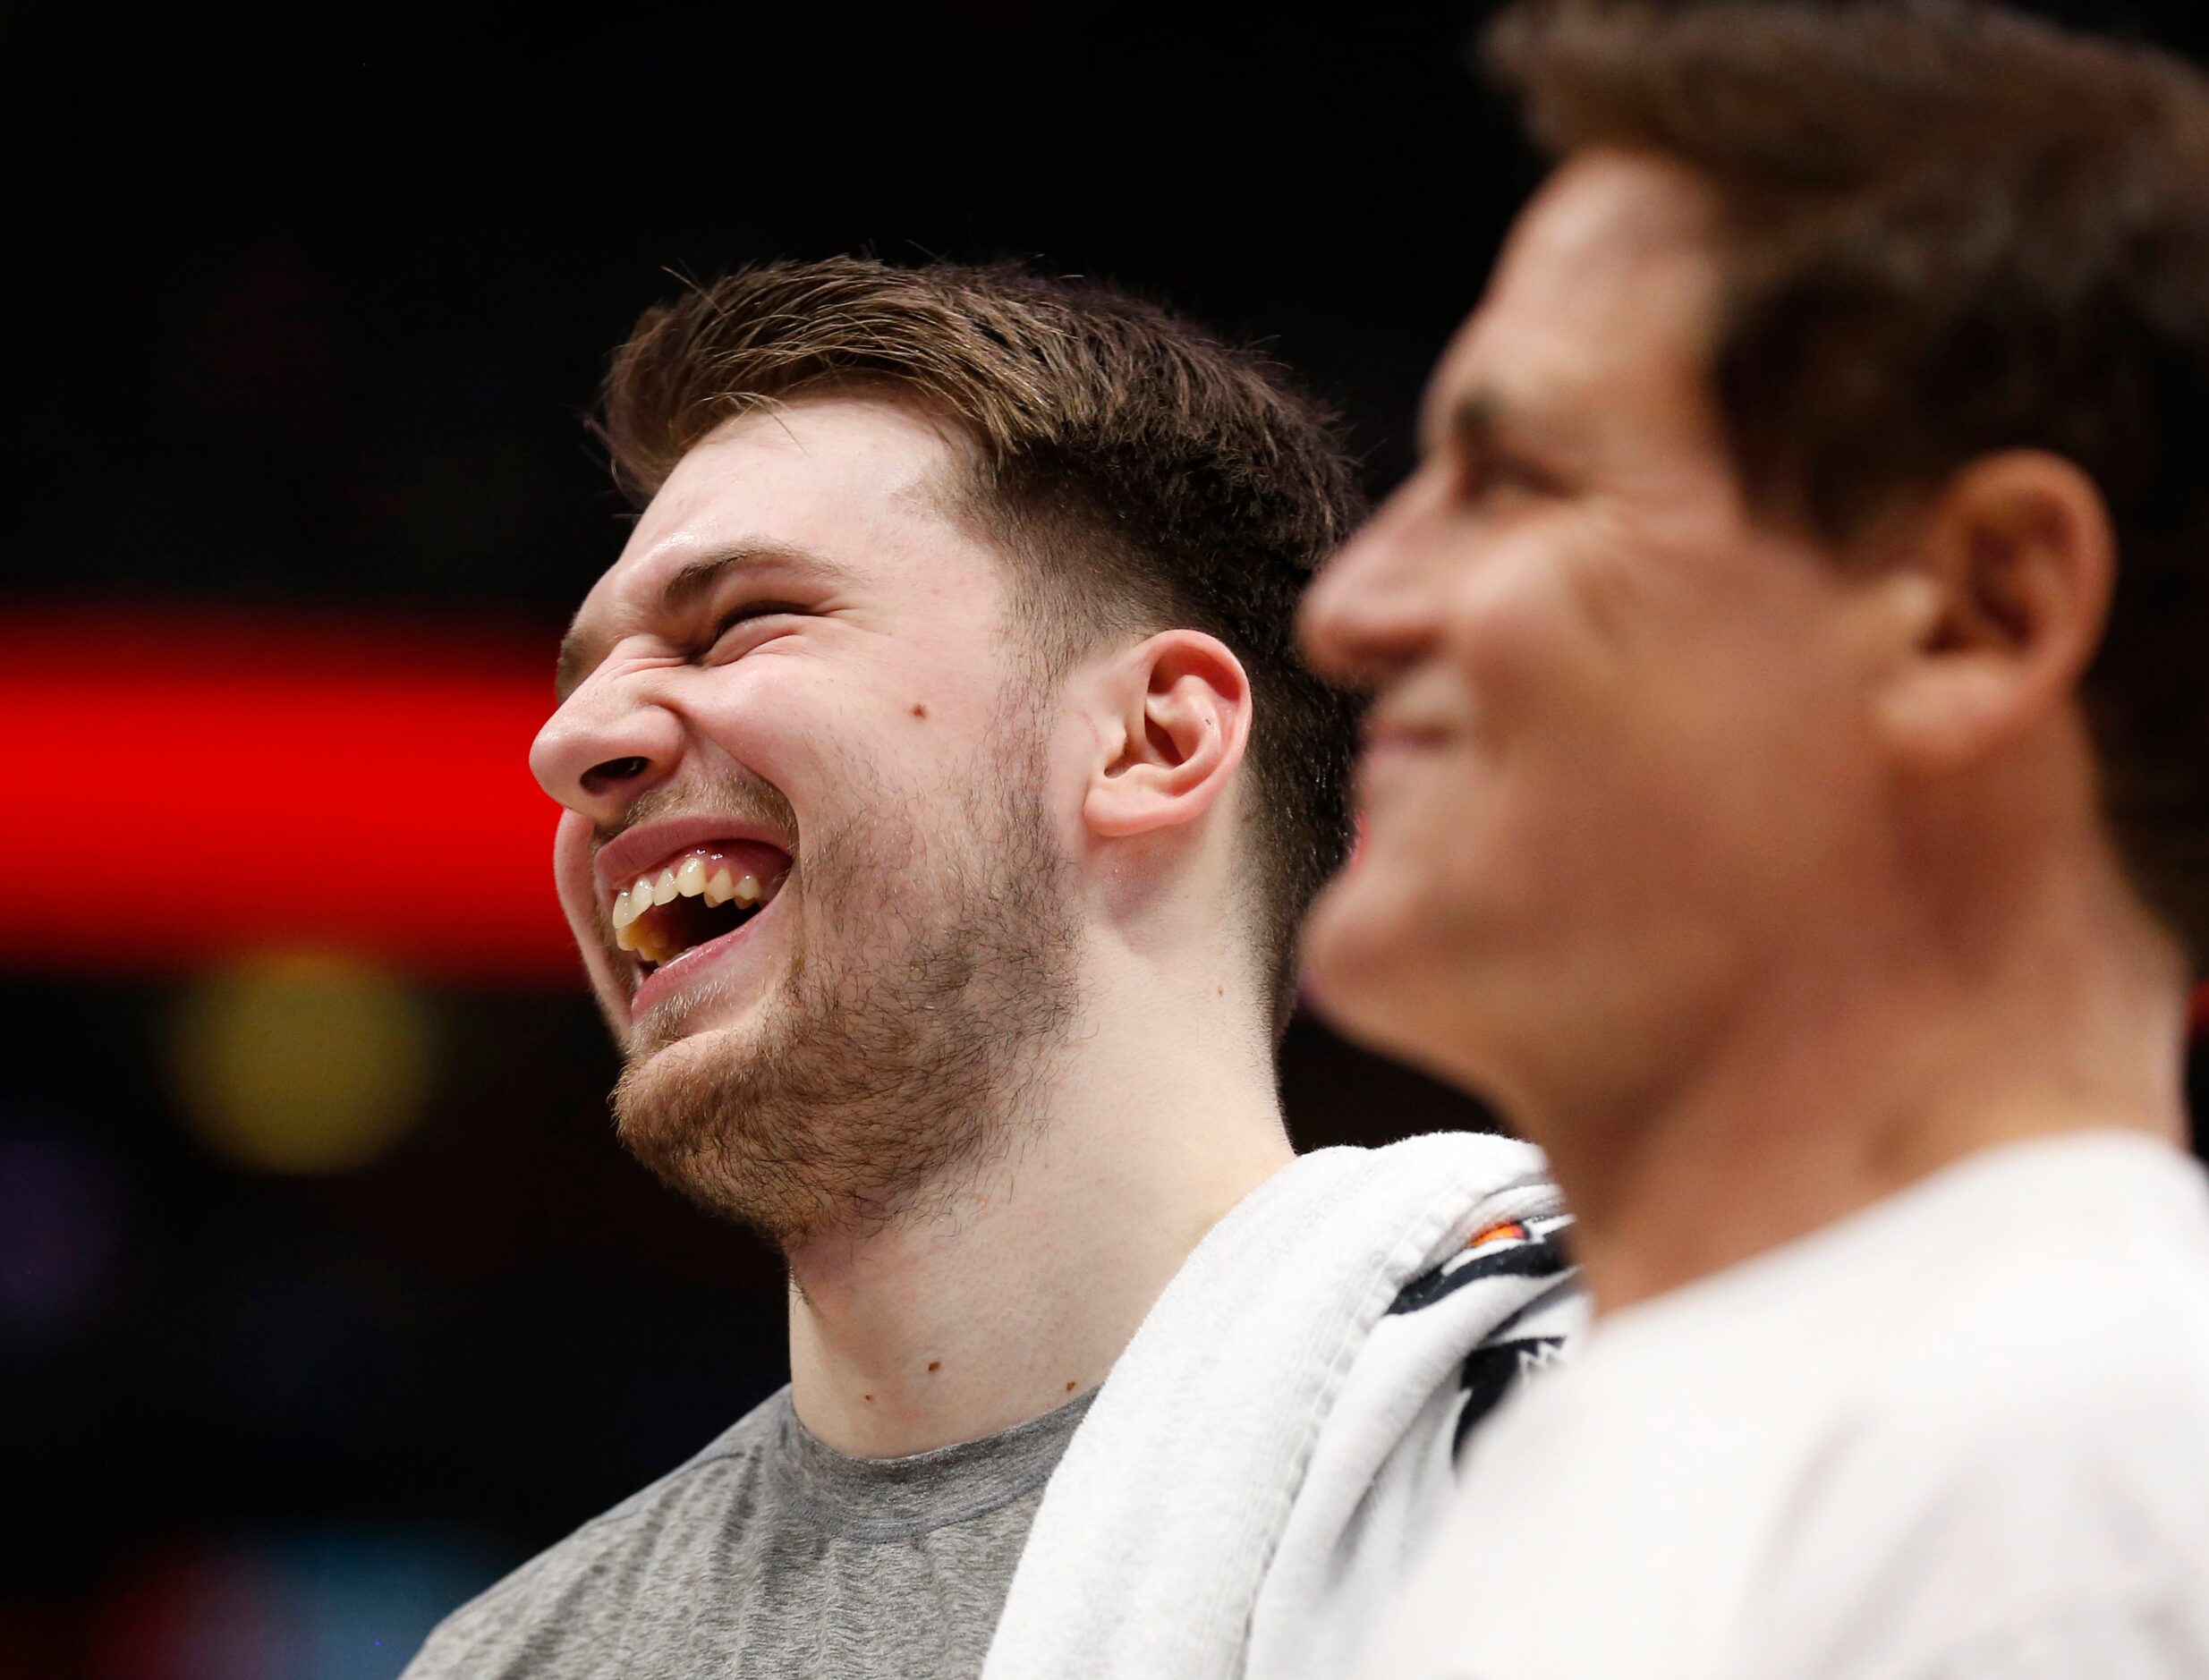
x=1787, y=796
x=943, y=792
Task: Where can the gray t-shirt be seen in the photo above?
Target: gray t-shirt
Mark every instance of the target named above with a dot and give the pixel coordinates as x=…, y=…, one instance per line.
x=770, y=1553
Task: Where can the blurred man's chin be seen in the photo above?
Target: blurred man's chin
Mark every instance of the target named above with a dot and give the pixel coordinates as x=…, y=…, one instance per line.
x=1367, y=960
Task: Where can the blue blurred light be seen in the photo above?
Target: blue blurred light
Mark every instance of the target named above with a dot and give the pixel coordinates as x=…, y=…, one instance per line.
x=352, y=1603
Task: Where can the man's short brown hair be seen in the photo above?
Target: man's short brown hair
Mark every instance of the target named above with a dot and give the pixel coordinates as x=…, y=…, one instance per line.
x=1952, y=230
x=1142, y=474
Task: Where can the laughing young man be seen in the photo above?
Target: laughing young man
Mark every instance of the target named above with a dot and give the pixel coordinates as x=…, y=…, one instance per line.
x=943, y=792
x=1788, y=795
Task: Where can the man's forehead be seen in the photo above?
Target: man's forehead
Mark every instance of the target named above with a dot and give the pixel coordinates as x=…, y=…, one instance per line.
x=830, y=491
x=822, y=460
x=1611, y=268
x=1605, y=206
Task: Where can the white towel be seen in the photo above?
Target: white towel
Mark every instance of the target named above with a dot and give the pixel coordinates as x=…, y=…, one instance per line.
x=1245, y=1492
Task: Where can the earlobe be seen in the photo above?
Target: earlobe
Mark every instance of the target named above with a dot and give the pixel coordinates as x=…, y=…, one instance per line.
x=2007, y=582
x=1182, y=723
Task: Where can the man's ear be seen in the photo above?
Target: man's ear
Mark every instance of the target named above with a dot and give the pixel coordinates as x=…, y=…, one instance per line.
x=2007, y=575
x=1179, y=722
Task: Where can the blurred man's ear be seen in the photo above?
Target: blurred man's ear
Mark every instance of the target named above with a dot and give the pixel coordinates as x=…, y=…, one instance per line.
x=1178, y=724
x=2007, y=575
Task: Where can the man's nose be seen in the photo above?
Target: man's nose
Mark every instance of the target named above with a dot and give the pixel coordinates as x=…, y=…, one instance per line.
x=1371, y=608
x=604, y=747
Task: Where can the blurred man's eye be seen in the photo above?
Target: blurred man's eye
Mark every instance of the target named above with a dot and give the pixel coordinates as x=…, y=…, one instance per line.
x=1486, y=475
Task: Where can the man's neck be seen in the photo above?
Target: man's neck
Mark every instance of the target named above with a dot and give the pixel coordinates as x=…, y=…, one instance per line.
x=1864, y=1069
x=1014, y=1294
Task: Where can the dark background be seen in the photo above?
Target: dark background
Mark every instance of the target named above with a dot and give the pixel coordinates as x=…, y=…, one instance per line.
x=311, y=304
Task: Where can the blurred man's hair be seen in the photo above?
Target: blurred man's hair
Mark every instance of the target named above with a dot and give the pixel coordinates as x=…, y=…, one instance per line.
x=1951, y=230
x=1142, y=475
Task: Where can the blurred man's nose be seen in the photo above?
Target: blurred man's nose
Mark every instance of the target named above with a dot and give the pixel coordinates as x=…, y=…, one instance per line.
x=606, y=745
x=1372, y=607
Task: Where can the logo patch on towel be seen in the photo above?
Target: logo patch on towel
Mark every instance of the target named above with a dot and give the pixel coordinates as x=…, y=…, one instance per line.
x=1510, y=1231
x=1514, y=1248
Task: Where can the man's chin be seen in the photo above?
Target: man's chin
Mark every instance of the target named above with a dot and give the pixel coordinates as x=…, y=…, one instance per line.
x=702, y=1017
x=1365, y=961
x=668, y=1104
x=660, y=1053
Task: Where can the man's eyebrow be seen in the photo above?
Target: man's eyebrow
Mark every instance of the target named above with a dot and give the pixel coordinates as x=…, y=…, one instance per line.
x=691, y=582
x=699, y=577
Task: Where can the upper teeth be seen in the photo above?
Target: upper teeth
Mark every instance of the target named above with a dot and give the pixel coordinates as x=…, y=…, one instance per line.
x=689, y=880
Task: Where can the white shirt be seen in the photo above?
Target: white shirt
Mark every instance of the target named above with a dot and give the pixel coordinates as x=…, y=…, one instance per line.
x=1964, y=1433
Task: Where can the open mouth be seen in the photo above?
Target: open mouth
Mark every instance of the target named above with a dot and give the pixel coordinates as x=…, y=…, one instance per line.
x=695, y=898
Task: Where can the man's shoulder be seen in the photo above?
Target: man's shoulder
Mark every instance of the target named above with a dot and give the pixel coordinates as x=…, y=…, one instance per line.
x=2064, y=1331
x=2032, y=1440
x=562, y=1611
x=2053, y=1379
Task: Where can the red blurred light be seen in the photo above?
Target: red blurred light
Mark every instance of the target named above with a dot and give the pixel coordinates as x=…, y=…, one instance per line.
x=189, y=786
